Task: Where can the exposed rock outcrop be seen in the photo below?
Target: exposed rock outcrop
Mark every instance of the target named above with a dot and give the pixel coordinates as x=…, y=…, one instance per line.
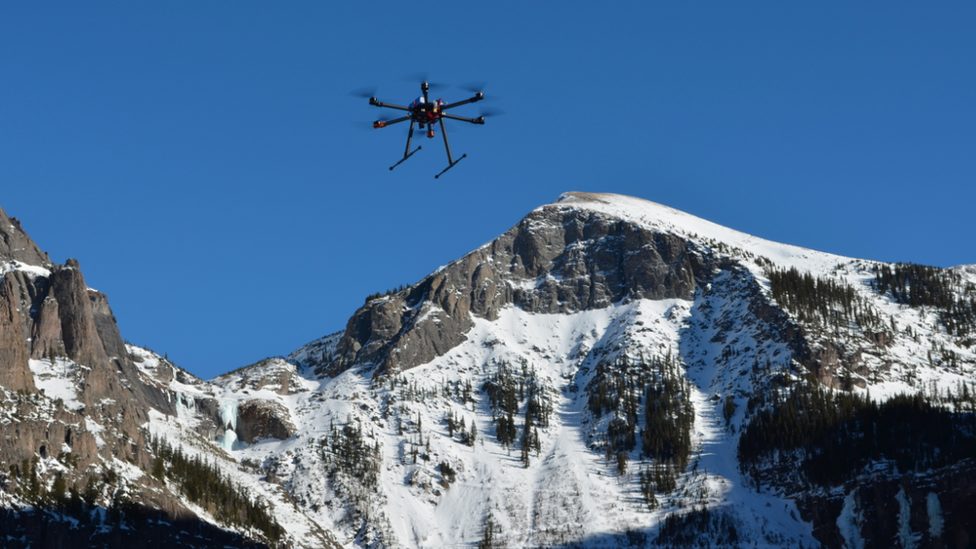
x=15, y=374
x=556, y=260
x=15, y=245
x=262, y=419
x=931, y=510
x=157, y=528
x=81, y=338
x=48, y=311
x=272, y=374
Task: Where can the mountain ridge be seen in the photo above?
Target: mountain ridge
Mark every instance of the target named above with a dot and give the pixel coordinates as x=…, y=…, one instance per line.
x=609, y=372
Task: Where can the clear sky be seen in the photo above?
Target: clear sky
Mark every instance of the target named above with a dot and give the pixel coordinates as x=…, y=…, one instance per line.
x=206, y=165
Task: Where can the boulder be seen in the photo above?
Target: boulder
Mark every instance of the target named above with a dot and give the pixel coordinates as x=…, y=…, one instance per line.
x=263, y=419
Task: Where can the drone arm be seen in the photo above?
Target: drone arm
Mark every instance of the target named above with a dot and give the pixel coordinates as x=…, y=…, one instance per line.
x=479, y=120
x=384, y=123
x=373, y=101
x=477, y=97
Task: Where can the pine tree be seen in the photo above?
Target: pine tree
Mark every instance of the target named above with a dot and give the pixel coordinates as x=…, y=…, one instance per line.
x=58, y=494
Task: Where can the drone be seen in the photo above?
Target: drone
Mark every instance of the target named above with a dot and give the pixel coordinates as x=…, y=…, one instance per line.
x=425, y=113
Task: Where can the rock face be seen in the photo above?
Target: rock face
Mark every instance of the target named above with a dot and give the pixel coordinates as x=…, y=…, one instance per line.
x=556, y=260
x=15, y=245
x=74, y=399
x=14, y=371
x=263, y=419
x=50, y=312
x=77, y=417
x=157, y=529
x=78, y=332
x=58, y=315
x=931, y=510
x=272, y=374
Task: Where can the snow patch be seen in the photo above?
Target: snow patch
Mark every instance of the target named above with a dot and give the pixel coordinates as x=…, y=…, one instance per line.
x=849, y=524
x=934, y=509
x=57, y=380
x=228, y=417
x=14, y=265
x=907, y=539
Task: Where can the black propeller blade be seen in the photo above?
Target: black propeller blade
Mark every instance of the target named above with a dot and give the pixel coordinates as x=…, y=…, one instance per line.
x=478, y=87
x=474, y=87
x=489, y=112
x=418, y=77
x=365, y=93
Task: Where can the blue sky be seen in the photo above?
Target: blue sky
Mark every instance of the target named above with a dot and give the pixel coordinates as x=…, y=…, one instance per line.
x=203, y=162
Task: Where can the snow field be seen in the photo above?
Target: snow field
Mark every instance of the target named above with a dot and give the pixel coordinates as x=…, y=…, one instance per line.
x=569, y=493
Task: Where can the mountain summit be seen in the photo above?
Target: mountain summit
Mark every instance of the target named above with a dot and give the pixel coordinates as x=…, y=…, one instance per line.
x=609, y=372
x=675, y=374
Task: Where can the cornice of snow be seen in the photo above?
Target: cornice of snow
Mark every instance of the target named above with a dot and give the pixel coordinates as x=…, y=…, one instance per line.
x=663, y=218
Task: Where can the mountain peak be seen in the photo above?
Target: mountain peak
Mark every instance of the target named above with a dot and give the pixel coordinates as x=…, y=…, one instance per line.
x=15, y=245
x=561, y=258
x=608, y=372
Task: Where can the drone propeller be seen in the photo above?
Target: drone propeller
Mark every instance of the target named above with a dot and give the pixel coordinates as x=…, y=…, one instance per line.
x=488, y=112
x=474, y=87
x=417, y=77
x=365, y=93
x=478, y=87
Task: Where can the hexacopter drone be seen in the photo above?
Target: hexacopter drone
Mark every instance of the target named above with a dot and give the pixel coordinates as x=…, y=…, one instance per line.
x=425, y=113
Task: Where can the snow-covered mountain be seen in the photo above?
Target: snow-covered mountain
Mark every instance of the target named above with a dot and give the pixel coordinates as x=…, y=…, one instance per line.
x=609, y=372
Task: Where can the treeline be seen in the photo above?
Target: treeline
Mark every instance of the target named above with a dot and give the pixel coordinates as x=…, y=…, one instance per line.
x=203, y=484
x=460, y=428
x=828, y=302
x=509, y=391
x=920, y=285
x=345, y=449
x=410, y=391
x=461, y=392
x=622, y=388
x=836, y=434
x=104, y=501
x=27, y=483
x=398, y=290
x=820, y=300
x=700, y=528
x=916, y=285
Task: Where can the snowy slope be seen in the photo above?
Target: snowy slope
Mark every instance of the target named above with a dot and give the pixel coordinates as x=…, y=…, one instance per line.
x=375, y=462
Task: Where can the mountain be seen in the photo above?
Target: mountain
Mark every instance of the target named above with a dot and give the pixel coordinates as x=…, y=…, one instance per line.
x=83, y=463
x=609, y=372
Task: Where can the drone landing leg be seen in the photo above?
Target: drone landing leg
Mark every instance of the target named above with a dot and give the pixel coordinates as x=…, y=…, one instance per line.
x=463, y=156
x=450, y=161
x=406, y=157
x=407, y=154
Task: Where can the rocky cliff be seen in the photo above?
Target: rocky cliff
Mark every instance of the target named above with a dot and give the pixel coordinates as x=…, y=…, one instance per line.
x=609, y=372
x=756, y=322
x=555, y=261
x=15, y=245
x=76, y=419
